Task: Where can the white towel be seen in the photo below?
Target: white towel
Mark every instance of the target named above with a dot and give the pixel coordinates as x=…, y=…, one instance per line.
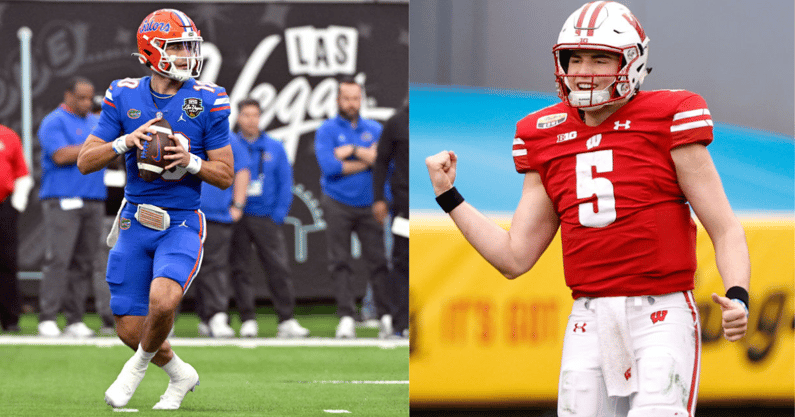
x=114, y=230
x=615, y=346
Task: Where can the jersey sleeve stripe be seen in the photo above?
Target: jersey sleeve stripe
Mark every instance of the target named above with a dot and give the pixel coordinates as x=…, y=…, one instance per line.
x=519, y=152
x=691, y=125
x=108, y=95
x=224, y=100
x=691, y=113
x=518, y=141
x=220, y=108
x=109, y=103
x=223, y=93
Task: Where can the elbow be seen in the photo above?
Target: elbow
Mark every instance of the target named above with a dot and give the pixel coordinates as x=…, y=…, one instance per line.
x=83, y=166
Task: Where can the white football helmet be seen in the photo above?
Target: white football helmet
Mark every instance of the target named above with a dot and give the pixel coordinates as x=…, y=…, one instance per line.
x=602, y=26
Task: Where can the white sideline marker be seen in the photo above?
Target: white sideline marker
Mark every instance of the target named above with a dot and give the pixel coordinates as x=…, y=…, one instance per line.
x=125, y=410
x=337, y=411
x=363, y=382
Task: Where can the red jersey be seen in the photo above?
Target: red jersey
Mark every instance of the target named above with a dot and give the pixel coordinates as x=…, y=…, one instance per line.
x=12, y=162
x=625, y=224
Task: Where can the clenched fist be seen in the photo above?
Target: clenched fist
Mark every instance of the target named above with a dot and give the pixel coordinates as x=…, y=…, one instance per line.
x=441, y=169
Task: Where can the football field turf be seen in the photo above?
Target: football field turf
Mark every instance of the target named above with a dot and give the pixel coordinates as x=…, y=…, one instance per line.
x=253, y=377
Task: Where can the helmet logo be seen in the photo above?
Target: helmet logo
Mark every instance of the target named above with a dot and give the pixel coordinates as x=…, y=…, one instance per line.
x=155, y=26
x=634, y=22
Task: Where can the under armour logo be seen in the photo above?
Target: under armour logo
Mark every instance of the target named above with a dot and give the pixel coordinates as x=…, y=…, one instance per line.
x=620, y=125
x=658, y=316
x=183, y=224
x=628, y=373
x=181, y=119
x=577, y=326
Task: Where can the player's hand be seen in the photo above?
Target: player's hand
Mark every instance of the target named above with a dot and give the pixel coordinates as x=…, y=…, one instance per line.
x=380, y=211
x=236, y=214
x=735, y=321
x=178, y=153
x=343, y=152
x=441, y=169
x=142, y=133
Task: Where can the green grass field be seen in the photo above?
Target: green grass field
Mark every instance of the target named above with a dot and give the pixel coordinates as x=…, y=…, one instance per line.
x=68, y=380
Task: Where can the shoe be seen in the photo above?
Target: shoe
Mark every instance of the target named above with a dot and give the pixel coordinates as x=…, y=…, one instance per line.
x=49, y=328
x=177, y=389
x=219, y=326
x=203, y=329
x=346, y=328
x=249, y=328
x=291, y=328
x=107, y=331
x=123, y=388
x=385, y=329
x=78, y=330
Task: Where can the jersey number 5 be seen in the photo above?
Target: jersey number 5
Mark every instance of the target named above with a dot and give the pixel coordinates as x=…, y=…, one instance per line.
x=603, y=212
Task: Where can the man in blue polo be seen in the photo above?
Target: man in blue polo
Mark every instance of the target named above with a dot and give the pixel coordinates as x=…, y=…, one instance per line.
x=73, y=207
x=269, y=198
x=345, y=147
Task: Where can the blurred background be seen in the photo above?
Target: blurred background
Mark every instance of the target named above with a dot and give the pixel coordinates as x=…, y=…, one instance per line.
x=485, y=345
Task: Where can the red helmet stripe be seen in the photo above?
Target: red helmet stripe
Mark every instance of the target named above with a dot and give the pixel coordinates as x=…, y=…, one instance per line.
x=594, y=16
x=582, y=17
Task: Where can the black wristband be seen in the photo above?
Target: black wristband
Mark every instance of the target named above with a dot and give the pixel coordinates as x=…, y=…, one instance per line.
x=739, y=293
x=449, y=200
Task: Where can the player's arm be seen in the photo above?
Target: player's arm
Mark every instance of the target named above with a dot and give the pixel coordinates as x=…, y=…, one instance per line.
x=96, y=153
x=513, y=252
x=700, y=182
x=66, y=155
x=217, y=170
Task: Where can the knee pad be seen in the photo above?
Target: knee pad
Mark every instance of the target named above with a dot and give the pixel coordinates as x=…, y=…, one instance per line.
x=662, y=384
x=657, y=411
x=580, y=393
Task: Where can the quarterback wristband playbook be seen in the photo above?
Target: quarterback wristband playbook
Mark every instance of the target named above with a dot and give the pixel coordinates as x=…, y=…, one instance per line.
x=120, y=145
x=740, y=295
x=195, y=164
x=449, y=200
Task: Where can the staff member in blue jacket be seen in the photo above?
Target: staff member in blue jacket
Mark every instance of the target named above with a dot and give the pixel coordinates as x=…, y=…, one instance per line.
x=345, y=147
x=222, y=208
x=73, y=207
x=269, y=198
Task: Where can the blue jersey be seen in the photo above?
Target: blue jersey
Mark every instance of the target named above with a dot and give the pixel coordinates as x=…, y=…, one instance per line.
x=215, y=202
x=356, y=189
x=199, y=117
x=60, y=129
x=270, y=191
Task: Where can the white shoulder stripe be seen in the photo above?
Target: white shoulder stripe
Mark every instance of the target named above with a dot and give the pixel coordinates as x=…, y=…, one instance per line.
x=224, y=100
x=519, y=152
x=518, y=141
x=108, y=95
x=691, y=125
x=691, y=113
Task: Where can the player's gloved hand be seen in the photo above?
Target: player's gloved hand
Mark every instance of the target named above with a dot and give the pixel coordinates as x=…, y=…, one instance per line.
x=441, y=169
x=734, y=318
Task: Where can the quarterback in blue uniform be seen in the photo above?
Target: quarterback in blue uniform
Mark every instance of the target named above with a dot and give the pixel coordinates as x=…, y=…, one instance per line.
x=159, y=233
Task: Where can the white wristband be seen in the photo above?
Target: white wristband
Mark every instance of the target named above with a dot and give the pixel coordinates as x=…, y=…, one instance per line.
x=195, y=164
x=120, y=145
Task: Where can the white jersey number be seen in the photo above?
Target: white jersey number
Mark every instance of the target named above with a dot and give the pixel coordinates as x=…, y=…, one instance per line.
x=604, y=212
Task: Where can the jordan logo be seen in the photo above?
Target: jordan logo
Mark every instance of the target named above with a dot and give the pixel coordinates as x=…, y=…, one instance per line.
x=181, y=119
x=183, y=224
x=577, y=326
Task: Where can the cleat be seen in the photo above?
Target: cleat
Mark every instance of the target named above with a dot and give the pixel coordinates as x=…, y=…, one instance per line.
x=177, y=389
x=219, y=326
x=249, y=328
x=346, y=328
x=49, y=328
x=291, y=328
x=385, y=328
x=123, y=388
x=78, y=330
x=203, y=329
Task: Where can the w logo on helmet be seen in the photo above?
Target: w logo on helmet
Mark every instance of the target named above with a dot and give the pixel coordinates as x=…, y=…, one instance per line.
x=658, y=316
x=634, y=22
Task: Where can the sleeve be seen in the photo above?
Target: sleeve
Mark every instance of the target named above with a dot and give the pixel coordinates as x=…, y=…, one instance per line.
x=691, y=122
x=109, y=126
x=218, y=133
x=20, y=167
x=385, y=148
x=285, y=186
x=52, y=136
x=520, y=152
x=324, y=151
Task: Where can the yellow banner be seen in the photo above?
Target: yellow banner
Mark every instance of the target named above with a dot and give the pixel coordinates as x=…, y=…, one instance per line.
x=479, y=337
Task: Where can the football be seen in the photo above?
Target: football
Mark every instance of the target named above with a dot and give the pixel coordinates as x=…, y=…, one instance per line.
x=150, y=159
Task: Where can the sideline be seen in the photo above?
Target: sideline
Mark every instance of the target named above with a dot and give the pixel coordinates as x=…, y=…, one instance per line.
x=6, y=340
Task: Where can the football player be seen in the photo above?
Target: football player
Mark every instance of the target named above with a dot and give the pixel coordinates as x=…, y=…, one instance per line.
x=160, y=230
x=617, y=170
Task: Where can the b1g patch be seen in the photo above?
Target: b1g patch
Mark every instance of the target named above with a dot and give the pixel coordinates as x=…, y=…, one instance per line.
x=367, y=136
x=551, y=121
x=133, y=113
x=124, y=224
x=193, y=107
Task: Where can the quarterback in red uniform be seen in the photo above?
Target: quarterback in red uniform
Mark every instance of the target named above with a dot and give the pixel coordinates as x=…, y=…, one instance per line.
x=618, y=170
